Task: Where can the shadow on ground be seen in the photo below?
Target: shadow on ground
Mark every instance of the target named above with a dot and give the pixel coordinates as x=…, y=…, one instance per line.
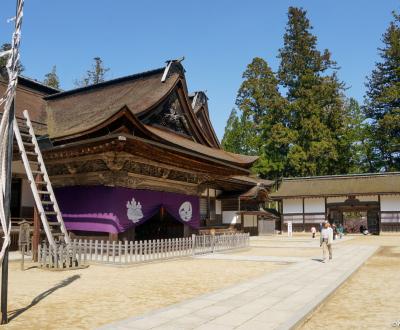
x=43, y=295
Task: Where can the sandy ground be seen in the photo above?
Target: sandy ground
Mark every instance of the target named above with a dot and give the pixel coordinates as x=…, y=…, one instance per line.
x=281, y=252
x=370, y=299
x=88, y=298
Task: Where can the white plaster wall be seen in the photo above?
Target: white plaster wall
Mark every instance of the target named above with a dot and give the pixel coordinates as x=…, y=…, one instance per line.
x=249, y=220
x=372, y=198
x=336, y=199
x=314, y=205
x=26, y=194
x=230, y=217
x=390, y=203
x=217, y=206
x=213, y=193
x=292, y=205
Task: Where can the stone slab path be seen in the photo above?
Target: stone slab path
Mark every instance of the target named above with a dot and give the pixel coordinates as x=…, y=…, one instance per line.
x=277, y=300
x=224, y=256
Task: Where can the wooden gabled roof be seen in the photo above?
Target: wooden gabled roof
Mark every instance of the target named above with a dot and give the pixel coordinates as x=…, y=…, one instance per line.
x=199, y=102
x=82, y=109
x=139, y=100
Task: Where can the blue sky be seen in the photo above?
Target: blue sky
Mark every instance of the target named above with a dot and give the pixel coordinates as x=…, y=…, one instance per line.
x=218, y=39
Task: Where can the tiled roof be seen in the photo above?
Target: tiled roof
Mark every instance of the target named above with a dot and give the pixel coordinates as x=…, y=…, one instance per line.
x=375, y=183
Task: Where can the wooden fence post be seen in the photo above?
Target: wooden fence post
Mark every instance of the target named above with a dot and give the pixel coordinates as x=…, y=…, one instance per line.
x=126, y=251
x=120, y=251
x=113, y=251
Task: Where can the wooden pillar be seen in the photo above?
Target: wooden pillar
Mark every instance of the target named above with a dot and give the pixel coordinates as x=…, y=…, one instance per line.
x=36, y=234
x=36, y=229
x=162, y=213
x=326, y=209
x=280, y=207
x=304, y=219
x=379, y=215
x=208, y=206
x=113, y=237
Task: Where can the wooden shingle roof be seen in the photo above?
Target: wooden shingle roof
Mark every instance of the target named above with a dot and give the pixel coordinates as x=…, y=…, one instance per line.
x=339, y=185
x=81, y=109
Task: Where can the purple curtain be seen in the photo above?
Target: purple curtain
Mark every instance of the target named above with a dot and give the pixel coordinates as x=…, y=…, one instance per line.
x=115, y=209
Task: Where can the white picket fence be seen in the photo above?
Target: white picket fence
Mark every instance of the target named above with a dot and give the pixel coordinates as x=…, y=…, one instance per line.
x=215, y=243
x=81, y=252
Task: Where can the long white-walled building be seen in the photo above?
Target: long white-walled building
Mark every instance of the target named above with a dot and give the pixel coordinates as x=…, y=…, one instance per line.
x=371, y=200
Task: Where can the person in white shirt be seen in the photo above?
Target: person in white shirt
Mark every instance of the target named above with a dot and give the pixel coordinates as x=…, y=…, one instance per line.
x=313, y=231
x=326, y=241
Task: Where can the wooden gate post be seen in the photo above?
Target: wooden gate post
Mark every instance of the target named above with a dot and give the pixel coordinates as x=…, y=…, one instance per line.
x=36, y=234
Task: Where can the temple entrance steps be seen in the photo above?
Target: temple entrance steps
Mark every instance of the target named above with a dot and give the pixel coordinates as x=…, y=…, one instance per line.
x=39, y=181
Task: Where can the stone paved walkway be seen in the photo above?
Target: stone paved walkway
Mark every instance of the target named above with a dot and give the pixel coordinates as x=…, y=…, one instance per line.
x=224, y=256
x=277, y=300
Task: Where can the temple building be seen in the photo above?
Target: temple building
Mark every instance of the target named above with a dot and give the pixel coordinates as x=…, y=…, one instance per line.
x=368, y=200
x=137, y=158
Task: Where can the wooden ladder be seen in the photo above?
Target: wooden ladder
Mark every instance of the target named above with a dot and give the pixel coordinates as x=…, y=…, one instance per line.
x=42, y=190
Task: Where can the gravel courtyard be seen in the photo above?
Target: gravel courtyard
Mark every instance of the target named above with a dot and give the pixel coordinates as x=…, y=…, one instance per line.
x=100, y=294
x=88, y=298
x=370, y=299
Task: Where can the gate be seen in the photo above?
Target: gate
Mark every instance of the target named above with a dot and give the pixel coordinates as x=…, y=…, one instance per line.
x=266, y=227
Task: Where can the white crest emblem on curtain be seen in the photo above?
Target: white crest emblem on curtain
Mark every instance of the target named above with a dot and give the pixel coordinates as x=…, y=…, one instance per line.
x=185, y=211
x=134, y=211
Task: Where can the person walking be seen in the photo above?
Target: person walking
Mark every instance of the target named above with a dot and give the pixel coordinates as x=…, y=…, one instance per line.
x=326, y=240
x=340, y=230
x=313, y=231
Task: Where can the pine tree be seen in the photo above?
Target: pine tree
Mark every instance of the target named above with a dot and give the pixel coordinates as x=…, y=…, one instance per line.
x=315, y=96
x=95, y=75
x=382, y=101
x=51, y=79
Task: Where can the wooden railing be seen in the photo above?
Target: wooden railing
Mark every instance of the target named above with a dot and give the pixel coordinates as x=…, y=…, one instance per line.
x=82, y=252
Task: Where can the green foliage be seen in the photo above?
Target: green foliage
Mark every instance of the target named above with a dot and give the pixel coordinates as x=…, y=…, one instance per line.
x=382, y=102
x=95, y=75
x=3, y=60
x=51, y=79
x=316, y=101
x=313, y=129
x=239, y=137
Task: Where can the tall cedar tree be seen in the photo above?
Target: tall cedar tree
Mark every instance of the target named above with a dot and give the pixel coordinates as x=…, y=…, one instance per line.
x=357, y=136
x=261, y=103
x=316, y=103
x=51, y=79
x=95, y=75
x=382, y=102
x=238, y=136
